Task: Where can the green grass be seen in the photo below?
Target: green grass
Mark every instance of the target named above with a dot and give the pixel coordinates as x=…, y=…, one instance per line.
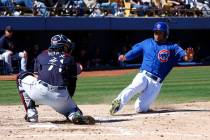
x=181, y=85
x=8, y=92
x=186, y=85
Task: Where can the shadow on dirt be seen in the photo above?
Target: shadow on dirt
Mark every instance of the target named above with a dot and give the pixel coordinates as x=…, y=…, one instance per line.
x=176, y=110
x=112, y=120
x=61, y=122
x=167, y=110
x=128, y=117
x=98, y=120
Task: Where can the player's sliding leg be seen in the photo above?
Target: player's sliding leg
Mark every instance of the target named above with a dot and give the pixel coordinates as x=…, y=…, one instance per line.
x=138, y=85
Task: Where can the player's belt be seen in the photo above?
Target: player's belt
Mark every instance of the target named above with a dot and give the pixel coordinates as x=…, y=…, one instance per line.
x=52, y=87
x=152, y=76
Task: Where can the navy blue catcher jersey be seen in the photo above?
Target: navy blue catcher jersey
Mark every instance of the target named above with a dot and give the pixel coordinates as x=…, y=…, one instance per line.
x=54, y=68
x=158, y=58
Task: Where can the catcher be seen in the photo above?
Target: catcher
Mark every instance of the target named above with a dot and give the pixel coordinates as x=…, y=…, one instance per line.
x=56, y=69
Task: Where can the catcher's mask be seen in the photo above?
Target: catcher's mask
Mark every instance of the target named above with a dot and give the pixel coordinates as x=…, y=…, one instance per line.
x=61, y=43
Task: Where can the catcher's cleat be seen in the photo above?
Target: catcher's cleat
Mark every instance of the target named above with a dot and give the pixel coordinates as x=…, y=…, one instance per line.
x=77, y=118
x=31, y=115
x=115, y=107
x=32, y=119
x=79, y=110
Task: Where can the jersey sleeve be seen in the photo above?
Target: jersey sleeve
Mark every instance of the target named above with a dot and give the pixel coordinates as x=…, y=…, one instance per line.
x=69, y=68
x=179, y=52
x=69, y=75
x=136, y=50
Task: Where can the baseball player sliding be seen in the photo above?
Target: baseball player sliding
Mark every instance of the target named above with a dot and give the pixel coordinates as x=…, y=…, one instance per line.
x=55, y=68
x=159, y=57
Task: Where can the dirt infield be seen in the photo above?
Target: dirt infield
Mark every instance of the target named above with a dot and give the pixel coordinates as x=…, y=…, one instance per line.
x=189, y=121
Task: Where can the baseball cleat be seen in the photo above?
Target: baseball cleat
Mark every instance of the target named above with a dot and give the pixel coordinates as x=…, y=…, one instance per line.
x=115, y=107
x=31, y=115
x=32, y=119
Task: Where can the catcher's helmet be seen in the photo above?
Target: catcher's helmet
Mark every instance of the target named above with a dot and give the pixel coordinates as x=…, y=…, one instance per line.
x=163, y=27
x=61, y=43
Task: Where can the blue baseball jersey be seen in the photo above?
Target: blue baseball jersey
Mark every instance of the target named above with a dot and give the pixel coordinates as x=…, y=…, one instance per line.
x=158, y=58
x=55, y=68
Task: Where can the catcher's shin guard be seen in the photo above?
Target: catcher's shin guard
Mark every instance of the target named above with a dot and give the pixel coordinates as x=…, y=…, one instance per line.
x=30, y=107
x=20, y=90
x=23, y=100
x=26, y=100
x=28, y=103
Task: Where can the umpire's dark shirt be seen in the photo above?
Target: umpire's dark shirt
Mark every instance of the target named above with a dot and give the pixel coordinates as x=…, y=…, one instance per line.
x=55, y=68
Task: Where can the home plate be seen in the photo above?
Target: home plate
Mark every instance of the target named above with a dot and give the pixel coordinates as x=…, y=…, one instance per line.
x=43, y=125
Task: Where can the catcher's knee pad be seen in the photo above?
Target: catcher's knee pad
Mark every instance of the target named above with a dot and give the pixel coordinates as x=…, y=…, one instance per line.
x=21, y=76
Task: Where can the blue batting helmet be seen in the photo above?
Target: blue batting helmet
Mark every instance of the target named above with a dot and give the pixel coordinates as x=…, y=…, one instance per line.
x=163, y=27
x=60, y=42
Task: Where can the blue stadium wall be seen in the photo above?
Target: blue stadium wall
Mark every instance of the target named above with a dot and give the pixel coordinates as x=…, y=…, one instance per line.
x=110, y=34
x=104, y=23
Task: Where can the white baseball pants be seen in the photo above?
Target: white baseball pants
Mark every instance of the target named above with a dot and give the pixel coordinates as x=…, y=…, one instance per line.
x=147, y=88
x=57, y=99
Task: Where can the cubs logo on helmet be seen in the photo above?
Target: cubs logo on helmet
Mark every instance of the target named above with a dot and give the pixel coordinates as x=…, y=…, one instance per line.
x=163, y=55
x=158, y=26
